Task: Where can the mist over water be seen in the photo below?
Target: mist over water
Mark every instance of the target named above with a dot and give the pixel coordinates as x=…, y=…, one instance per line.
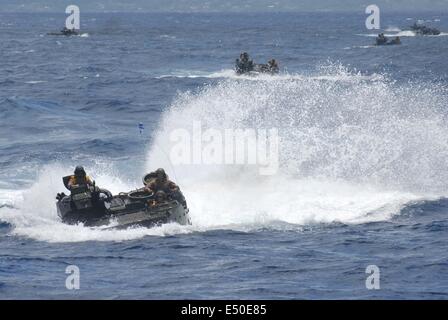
x=352, y=148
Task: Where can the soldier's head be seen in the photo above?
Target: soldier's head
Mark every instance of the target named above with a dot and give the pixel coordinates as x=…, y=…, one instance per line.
x=161, y=175
x=80, y=173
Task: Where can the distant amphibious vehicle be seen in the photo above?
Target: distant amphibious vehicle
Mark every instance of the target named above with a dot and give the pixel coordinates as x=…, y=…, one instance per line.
x=381, y=40
x=424, y=30
x=64, y=32
x=244, y=65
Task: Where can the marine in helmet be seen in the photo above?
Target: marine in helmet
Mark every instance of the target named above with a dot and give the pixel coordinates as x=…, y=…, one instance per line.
x=79, y=179
x=244, y=63
x=396, y=40
x=159, y=181
x=381, y=39
x=273, y=66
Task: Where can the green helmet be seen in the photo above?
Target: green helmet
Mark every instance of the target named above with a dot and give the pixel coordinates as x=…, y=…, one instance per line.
x=160, y=173
x=79, y=171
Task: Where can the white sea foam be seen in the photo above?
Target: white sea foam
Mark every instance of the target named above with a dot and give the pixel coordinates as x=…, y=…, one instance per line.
x=391, y=33
x=393, y=29
x=35, y=81
x=404, y=33
x=353, y=149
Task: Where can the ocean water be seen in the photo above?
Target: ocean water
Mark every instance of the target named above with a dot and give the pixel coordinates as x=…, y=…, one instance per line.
x=362, y=177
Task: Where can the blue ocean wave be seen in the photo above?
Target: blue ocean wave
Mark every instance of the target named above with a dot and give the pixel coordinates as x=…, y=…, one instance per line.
x=361, y=181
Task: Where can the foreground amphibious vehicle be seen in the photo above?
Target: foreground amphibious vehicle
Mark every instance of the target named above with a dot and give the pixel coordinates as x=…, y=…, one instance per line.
x=96, y=207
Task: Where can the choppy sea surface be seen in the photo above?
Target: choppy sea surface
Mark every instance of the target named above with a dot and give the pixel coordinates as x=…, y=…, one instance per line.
x=362, y=177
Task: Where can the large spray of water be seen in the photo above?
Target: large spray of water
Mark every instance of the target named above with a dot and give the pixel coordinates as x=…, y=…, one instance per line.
x=352, y=149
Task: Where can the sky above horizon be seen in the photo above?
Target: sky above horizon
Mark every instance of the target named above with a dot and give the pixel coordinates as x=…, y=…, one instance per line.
x=219, y=5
